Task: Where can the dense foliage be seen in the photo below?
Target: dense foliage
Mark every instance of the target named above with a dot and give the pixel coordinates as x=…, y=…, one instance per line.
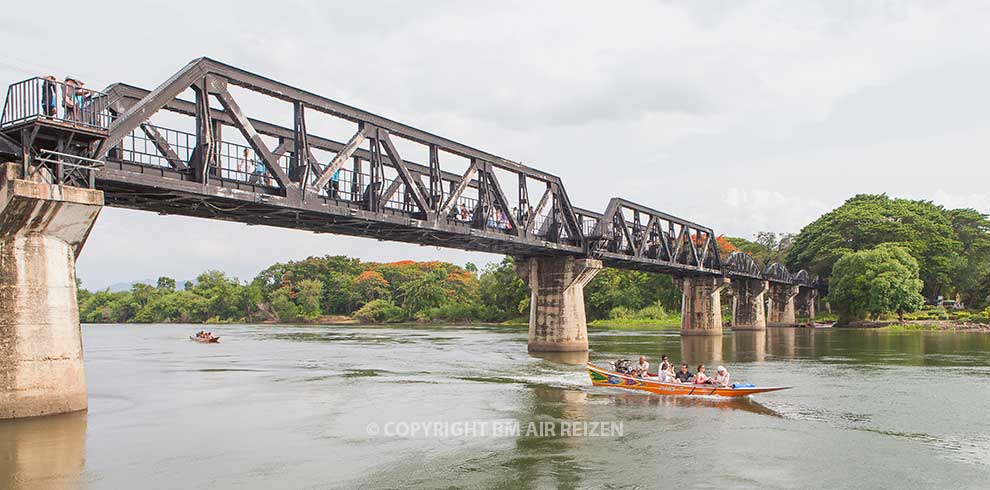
x=952, y=247
x=875, y=282
x=950, y=250
x=767, y=247
x=310, y=289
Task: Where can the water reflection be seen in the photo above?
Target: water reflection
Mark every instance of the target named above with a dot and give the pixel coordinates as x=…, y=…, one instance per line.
x=744, y=404
x=782, y=341
x=43, y=452
x=701, y=349
x=570, y=358
x=749, y=345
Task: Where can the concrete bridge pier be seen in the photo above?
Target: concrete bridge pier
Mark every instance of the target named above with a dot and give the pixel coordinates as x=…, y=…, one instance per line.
x=806, y=302
x=701, y=304
x=557, y=321
x=42, y=229
x=781, y=309
x=748, y=309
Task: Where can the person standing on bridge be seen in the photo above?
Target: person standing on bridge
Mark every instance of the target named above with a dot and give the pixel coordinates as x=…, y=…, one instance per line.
x=49, y=95
x=333, y=188
x=72, y=98
x=258, y=173
x=244, y=166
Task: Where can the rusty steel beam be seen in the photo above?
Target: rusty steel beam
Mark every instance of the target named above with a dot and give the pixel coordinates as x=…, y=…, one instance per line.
x=424, y=215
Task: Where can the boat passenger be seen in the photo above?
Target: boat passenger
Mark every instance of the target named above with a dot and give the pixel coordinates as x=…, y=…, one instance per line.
x=667, y=375
x=684, y=375
x=665, y=364
x=701, y=378
x=721, y=376
x=643, y=368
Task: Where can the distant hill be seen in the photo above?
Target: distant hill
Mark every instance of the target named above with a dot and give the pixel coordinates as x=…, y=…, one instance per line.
x=126, y=286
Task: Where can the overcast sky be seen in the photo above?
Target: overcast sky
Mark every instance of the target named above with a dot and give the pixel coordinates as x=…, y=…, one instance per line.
x=744, y=116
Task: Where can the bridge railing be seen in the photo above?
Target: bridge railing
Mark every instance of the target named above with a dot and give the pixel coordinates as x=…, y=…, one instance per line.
x=48, y=99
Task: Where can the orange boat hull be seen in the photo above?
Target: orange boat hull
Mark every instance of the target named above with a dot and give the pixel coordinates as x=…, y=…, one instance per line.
x=603, y=377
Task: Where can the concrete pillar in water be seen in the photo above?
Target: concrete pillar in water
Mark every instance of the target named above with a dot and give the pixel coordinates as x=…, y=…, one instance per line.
x=782, y=305
x=805, y=303
x=557, y=321
x=701, y=304
x=748, y=309
x=42, y=229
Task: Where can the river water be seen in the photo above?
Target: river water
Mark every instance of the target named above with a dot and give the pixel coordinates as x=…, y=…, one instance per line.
x=336, y=407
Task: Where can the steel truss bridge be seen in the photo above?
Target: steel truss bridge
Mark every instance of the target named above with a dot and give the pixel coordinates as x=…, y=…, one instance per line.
x=298, y=176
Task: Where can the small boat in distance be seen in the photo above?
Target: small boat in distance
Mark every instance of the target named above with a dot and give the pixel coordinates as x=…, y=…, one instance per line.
x=206, y=340
x=604, y=377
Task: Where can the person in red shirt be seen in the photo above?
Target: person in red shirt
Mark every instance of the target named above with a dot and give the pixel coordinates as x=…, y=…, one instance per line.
x=700, y=377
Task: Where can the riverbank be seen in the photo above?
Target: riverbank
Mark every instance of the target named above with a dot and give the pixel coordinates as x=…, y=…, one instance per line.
x=636, y=324
x=922, y=325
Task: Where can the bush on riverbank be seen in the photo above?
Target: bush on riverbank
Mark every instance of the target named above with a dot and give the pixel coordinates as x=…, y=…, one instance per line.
x=654, y=316
x=380, y=311
x=875, y=282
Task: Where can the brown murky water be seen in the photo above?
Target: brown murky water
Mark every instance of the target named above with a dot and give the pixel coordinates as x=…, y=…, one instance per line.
x=309, y=407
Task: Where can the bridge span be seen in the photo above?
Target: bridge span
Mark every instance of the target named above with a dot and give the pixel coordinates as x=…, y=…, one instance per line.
x=190, y=147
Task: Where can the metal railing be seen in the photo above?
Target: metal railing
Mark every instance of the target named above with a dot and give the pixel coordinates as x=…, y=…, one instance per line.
x=44, y=98
x=66, y=168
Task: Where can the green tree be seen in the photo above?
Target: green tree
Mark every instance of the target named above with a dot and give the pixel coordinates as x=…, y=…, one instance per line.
x=166, y=284
x=875, y=282
x=308, y=299
x=369, y=286
x=425, y=291
x=178, y=306
x=379, y=311
x=632, y=290
x=500, y=287
x=865, y=221
x=971, y=277
x=143, y=293
x=285, y=308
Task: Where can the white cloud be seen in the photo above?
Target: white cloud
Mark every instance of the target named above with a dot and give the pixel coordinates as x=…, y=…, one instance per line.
x=745, y=116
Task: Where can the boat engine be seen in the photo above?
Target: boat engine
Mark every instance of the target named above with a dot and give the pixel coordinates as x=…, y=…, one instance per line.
x=623, y=366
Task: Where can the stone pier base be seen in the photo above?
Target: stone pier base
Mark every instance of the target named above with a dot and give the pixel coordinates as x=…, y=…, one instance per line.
x=748, y=309
x=557, y=321
x=782, y=305
x=42, y=229
x=805, y=303
x=701, y=304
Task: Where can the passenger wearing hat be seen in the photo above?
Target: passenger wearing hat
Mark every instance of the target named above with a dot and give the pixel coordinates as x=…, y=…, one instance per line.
x=72, y=98
x=721, y=376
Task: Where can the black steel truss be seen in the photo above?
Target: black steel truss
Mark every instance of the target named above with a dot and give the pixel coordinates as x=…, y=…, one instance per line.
x=386, y=197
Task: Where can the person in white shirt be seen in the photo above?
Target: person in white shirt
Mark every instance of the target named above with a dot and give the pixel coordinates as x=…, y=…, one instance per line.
x=666, y=375
x=721, y=376
x=643, y=368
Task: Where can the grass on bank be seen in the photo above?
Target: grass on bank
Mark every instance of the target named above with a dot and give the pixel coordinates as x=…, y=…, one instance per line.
x=653, y=317
x=911, y=327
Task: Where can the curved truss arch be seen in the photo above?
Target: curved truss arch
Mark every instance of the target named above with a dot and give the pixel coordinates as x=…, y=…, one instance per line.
x=777, y=272
x=803, y=278
x=742, y=263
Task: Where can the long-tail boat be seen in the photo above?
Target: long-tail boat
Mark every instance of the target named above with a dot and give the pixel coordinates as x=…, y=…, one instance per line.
x=604, y=377
x=205, y=340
